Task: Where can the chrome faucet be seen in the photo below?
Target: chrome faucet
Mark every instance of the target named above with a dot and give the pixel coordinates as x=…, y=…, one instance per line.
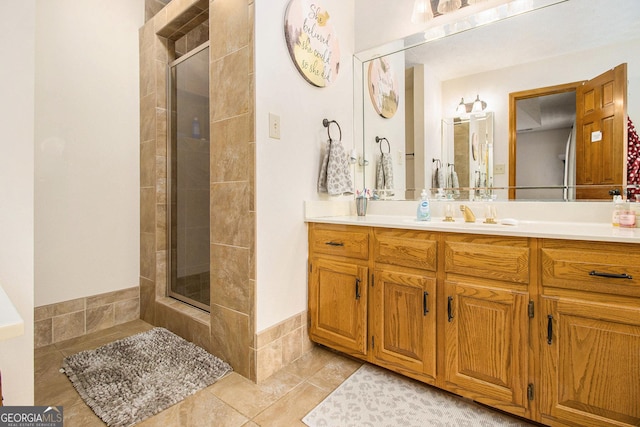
x=468, y=214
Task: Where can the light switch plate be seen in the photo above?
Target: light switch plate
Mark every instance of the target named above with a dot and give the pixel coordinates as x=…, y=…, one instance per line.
x=499, y=169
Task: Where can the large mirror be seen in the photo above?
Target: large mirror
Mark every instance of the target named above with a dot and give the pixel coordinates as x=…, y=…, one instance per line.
x=552, y=46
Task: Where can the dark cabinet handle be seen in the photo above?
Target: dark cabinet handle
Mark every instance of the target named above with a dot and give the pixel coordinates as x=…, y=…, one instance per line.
x=334, y=243
x=549, y=329
x=610, y=275
x=425, y=305
x=357, y=288
x=450, y=309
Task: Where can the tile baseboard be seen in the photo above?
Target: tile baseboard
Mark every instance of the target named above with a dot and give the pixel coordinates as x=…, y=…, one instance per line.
x=281, y=345
x=61, y=321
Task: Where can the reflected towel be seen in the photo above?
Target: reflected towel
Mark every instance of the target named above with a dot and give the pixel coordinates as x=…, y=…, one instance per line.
x=454, y=183
x=438, y=178
x=335, y=176
x=384, y=174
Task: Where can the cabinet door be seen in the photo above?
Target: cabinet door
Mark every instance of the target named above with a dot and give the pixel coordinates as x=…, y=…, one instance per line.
x=590, y=363
x=404, y=323
x=338, y=305
x=486, y=333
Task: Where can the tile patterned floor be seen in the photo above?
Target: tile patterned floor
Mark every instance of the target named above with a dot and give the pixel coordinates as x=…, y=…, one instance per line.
x=282, y=400
x=234, y=401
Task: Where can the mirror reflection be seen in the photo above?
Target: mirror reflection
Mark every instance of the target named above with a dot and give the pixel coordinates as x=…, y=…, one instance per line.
x=467, y=146
x=493, y=62
x=545, y=132
x=568, y=135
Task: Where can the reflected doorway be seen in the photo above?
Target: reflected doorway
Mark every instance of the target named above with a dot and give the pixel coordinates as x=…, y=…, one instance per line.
x=189, y=183
x=542, y=142
x=545, y=156
x=600, y=135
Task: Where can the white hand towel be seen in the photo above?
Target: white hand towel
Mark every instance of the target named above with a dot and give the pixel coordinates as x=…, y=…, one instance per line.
x=384, y=174
x=335, y=176
x=454, y=183
x=438, y=180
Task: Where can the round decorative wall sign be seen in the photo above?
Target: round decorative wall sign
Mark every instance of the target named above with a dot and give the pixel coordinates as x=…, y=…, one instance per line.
x=383, y=88
x=312, y=41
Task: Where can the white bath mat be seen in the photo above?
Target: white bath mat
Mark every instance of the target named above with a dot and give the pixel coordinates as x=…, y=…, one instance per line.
x=375, y=397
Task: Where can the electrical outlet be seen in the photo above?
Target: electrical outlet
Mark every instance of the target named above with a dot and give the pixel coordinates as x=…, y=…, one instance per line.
x=274, y=126
x=499, y=169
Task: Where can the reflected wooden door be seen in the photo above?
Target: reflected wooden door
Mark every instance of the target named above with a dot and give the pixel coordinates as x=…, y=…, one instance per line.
x=601, y=134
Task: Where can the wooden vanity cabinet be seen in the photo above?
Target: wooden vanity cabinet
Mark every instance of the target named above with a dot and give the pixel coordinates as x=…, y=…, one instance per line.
x=403, y=309
x=589, y=339
x=545, y=329
x=484, y=311
x=338, y=287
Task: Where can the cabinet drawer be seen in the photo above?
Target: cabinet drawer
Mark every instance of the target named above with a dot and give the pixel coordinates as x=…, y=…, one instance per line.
x=350, y=242
x=592, y=266
x=406, y=248
x=490, y=257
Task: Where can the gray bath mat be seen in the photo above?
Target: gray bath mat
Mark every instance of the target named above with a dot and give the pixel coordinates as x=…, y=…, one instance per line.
x=129, y=380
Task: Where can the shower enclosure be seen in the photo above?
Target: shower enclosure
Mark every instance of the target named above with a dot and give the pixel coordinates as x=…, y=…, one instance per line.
x=188, y=178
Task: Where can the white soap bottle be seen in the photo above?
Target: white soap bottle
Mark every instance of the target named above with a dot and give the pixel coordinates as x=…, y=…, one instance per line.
x=424, y=210
x=617, y=209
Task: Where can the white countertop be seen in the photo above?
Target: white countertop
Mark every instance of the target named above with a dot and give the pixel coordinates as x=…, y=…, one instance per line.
x=11, y=324
x=545, y=229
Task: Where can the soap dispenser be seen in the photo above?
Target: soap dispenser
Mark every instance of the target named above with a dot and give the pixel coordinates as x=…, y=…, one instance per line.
x=617, y=209
x=424, y=210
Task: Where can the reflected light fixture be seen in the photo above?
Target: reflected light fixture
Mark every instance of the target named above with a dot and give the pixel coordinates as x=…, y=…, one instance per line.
x=474, y=107
x=478, y=105
x=462, y=109
x=422, y=12
x=446, y=6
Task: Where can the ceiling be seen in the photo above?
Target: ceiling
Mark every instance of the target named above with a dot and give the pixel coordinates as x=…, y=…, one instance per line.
x=556, y=30
x=569, y=27
x=548, y=112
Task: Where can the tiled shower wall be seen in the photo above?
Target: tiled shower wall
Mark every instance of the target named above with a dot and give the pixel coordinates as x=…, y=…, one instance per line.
x=229, y=330
x=157, y=48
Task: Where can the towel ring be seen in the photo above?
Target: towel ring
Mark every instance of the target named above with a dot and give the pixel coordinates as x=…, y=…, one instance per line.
x=326, y=123
x=380, y=139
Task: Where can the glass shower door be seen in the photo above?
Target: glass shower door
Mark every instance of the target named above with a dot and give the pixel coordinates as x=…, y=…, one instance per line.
x=188, y=178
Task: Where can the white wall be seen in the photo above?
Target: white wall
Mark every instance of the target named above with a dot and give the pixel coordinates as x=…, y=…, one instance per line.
x=86, y=147
x=287, y=169
x=538, y=164
x=494, y=87
x=17, y=18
